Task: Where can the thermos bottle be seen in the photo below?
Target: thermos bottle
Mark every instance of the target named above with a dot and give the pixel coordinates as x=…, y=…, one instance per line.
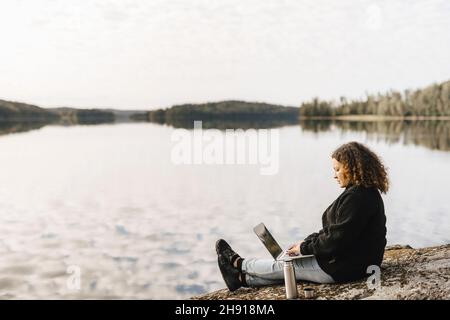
x=290, y=281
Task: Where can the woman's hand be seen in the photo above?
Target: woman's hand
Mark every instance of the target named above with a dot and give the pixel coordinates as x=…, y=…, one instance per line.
x=294, y=250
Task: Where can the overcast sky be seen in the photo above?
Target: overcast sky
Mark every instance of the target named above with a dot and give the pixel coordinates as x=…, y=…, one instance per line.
x=155, y=53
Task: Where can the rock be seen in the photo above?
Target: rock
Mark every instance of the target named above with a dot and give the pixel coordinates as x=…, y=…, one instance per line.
x=397, y=247
x=406, y=273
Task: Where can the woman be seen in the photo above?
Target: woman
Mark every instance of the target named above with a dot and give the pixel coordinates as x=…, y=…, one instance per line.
x=353, y=236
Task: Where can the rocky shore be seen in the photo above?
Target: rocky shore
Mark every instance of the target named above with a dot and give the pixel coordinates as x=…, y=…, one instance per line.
x=406, y=273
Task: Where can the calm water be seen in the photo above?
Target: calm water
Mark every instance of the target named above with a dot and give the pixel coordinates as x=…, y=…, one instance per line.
x=108, y=200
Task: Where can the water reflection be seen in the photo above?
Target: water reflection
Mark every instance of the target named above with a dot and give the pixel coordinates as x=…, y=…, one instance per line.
x=223, y=124
x=108, y=199
x=433, y=134
x=15, y=127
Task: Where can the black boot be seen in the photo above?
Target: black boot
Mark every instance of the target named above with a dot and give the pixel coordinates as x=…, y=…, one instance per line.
x=229, y=274
x=224, y=249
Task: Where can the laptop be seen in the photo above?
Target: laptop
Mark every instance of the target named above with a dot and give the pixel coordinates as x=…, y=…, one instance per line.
x=272, y=245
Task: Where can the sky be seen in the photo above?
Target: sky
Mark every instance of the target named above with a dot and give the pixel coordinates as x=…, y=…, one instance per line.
x=148, y=54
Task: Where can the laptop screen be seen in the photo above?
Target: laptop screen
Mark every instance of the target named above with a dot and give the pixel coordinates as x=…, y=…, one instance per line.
x=267, y=239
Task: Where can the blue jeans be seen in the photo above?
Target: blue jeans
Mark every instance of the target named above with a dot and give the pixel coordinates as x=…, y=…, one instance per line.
x=263, y=272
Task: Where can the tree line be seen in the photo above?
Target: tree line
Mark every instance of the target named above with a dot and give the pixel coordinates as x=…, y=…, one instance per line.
x=225, y=111
x=433, y=100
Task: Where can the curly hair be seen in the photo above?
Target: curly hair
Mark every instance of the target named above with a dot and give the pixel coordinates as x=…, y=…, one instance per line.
x=364, y=167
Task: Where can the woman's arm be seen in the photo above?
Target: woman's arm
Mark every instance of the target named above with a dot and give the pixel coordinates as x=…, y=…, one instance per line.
x=313, y=236
x=352, y=215
x=295, y=248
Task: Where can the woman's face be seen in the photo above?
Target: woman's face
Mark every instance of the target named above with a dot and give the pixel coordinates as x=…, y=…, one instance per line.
x=340, y=173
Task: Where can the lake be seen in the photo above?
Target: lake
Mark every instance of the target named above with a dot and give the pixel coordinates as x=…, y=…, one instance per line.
x=109, y=202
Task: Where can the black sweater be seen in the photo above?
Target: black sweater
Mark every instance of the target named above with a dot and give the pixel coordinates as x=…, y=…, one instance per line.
x=353, y=235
